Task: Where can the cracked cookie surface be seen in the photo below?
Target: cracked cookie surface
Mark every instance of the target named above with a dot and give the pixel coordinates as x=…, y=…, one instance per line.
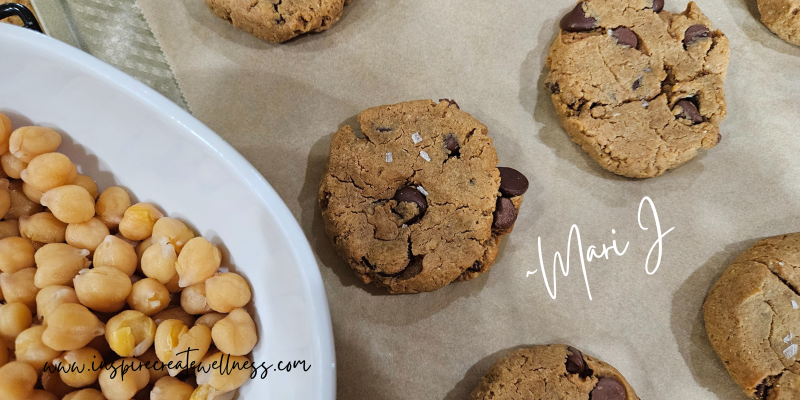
x=638, y=88
x=752, y=315
x=552, y=372
x=279, y=20
x=782, y=17
x=415, y=201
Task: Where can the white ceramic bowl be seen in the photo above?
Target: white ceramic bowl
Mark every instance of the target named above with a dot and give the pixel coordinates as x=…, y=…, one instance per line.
x=121, y=132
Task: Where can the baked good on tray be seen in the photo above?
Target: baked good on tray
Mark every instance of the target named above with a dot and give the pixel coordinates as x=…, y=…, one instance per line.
x=782, y=17
x=415, y=200
x=552, y=372
x=752, y=315
x=637, y=87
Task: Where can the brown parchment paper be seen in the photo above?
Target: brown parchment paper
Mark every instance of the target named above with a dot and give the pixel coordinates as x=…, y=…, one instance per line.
x=279, y=104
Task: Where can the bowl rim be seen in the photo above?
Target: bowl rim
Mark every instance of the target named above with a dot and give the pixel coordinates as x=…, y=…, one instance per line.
x=237, y=165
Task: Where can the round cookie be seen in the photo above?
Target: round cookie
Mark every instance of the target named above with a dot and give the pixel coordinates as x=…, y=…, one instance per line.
x=782, y=17
x=415, y=200
x=279, y=20
x=752, y=315
x=638, y=88
x=553, y=372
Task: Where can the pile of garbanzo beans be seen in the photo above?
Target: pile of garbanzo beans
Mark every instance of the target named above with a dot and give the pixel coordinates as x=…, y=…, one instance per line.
x=90, y=278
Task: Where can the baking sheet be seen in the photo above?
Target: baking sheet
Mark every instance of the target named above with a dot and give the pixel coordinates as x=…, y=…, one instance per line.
x=279, y=105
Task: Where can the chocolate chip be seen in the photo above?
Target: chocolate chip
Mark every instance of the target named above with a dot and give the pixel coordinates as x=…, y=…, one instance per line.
x=383, y=129
x=410, y=194
x=452, y=102
x=476, y=267
x=608, y=389
x=575, y=362
x=658, y=5
x=625, y=37
x=512, y=182
x=689, y=111
x=553, y=87
x=505, y=214
x=761, y=391
x=577, y=21
x=367, y=263
x=451, y=143
x=695, y=33
x=637, y=83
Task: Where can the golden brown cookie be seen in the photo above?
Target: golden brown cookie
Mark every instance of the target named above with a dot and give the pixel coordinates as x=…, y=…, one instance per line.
x=553, y=372
x=752, y=315
x=279, y=20
x=782, y=17
x=417, y=200
x=639, y=88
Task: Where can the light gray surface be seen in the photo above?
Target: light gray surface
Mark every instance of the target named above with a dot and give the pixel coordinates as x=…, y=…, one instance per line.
x=114, y=31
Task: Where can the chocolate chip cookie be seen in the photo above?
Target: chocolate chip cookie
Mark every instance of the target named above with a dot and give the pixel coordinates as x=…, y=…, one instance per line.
x=279, y=20
x=553, y=372
x=415, y=200
x=639, y=88
x=752, y=315
x=782, y=17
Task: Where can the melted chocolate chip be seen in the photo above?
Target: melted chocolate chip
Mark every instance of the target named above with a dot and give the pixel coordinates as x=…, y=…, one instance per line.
x=383, y=129
x=625, y=37
x=658, y=5
x=553, y=87
x=512, y=182
x=608, y=389
x=505, y=214
x=451, y=143
x=410, y=194
x=689, y=111
x=577, y=21
x=476, y=267
x=761, y=391
x=695, y=33
x=575, y=362
x=637, y=83
x=367, y=263
x=452, y=102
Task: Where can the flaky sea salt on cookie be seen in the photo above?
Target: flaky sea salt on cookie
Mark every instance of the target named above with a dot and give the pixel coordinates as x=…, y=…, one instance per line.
x=639, y=88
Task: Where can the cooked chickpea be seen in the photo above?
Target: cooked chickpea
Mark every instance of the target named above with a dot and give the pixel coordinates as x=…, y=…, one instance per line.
x=193, y=299
x=30, y=348
x=9, y=228
x=169, y=388
x=12, y=166
x=21, y=205
x=235, y=334
x=111, y=206
x=5, y=132
x=87, y=235
x=175, y=231
x=16, y=253
x=174, y=339
x=71, y=204
x=174, y=312
x=17, y=380
x=138, y=221
x=103, y=289
x=130, y=333
x=79, y=368
x=49, y=298
x=115, y=386
x=43, y=227
x=5, y=198
x=32, y=194
x=154, y=366
x=210, y=319
x=143, y=246
x=14, y=318
x=173, y=285
x=87, y=183
x=28, y=142
x=148, y=296
x=58, y=264
x=71, y=326
x=48, y=171
x=158, y=261
x=51, y=381
x=39, y=394
x=19, y=287
x=207, y=375
x=85, y=394
x=227, y=291
x=117, y=253
x=198, y=261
